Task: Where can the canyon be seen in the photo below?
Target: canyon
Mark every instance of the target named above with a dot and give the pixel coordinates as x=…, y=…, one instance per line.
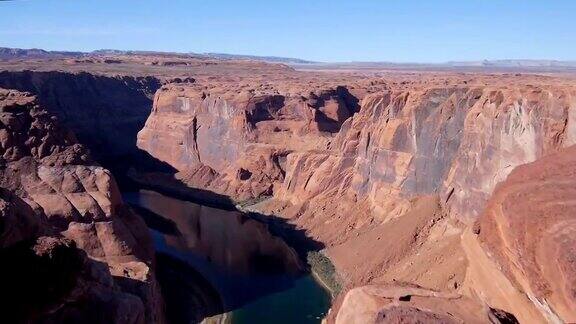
x=434, y=196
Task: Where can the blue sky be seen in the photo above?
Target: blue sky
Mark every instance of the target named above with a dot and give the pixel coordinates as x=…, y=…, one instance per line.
x=355, y=30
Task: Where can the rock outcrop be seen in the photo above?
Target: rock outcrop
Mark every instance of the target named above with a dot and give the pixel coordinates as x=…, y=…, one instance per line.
x=71, y=250
x=236, y=143
x=407, y=304
x=105, y=112
x=528, y=228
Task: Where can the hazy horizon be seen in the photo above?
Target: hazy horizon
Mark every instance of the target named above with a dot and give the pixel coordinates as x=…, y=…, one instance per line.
x=323, y=31
x=291, y=58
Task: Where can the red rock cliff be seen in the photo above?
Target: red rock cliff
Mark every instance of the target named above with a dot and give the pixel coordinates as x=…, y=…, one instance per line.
x=390, y=184
x=528, y=226
x=71, y=250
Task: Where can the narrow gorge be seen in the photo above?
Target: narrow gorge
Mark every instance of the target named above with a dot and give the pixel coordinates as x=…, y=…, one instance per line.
x=153, y=189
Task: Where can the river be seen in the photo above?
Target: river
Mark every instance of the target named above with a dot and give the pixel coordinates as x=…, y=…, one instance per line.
x=225, y=266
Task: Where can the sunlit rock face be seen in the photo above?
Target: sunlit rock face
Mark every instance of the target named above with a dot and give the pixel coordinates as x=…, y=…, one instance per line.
x=241, y=138
x=529, y=225
x=456, y=141
x=406, y=304
x=420, y=158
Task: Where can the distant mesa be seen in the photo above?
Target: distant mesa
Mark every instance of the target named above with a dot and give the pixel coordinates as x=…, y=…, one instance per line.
x=483, y=65
x=35, y=53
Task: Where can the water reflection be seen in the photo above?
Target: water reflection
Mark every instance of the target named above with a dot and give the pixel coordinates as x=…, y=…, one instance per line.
x=228, y=239
x=247, y=266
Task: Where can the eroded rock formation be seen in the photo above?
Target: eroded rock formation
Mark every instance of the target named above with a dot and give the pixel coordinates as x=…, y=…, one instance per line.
x=528, y=228
x=391, y=185
x=71, y=250
x=235, y=143
x=406, y=304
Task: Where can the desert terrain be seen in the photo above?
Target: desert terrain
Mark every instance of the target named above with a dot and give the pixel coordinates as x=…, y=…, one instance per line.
x=433, y=194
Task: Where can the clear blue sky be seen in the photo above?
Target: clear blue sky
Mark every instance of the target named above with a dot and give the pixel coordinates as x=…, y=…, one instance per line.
x=354, y=30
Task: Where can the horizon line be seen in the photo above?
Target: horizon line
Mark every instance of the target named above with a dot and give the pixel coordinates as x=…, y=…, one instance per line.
x=304, y=60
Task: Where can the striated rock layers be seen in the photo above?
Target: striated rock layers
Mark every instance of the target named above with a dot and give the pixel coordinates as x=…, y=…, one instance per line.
x=528, y=227
x=236, y=143
x=457, y=141
x=71, y=250
x=391, y=180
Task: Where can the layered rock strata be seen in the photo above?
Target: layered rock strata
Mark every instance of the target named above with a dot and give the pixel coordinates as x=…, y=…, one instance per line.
x=528, y=227
x=71, y=250
x=236, y=143
x=391, y=184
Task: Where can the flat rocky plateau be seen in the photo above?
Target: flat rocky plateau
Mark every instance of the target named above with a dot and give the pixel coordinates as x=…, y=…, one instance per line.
x=438, y=196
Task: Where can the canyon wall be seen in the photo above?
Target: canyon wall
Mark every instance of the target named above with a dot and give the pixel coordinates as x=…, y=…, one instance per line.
x=457, y=142
x=236, y=142
x=419, y=188
x=71, y=250
x=391, y=184
x=105, y=112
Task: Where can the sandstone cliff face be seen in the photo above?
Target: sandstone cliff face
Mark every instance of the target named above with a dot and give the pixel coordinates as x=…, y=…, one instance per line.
x=458, y=142
x=453, y=143
x=62, y=215
x=528, y=228
x=238, y=141
x=391, y=186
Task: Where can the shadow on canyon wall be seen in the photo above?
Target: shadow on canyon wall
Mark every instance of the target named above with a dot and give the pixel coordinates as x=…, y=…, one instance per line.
x=348, y=104
x=106, y=114
x=295, y=237
x=46, y=279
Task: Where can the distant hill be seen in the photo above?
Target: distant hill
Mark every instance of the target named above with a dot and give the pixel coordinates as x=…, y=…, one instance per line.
x=12, y=53
x=511, y=66
x=108, y=52
x=34, y=53
x=485, y=63
x=516, y=63
x=488, y=65
x=276, y=59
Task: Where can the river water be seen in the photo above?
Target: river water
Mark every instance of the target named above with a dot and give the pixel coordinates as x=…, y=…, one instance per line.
x=213, y=262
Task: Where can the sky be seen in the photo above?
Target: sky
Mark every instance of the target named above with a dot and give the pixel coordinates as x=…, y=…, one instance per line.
x=429, y=31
